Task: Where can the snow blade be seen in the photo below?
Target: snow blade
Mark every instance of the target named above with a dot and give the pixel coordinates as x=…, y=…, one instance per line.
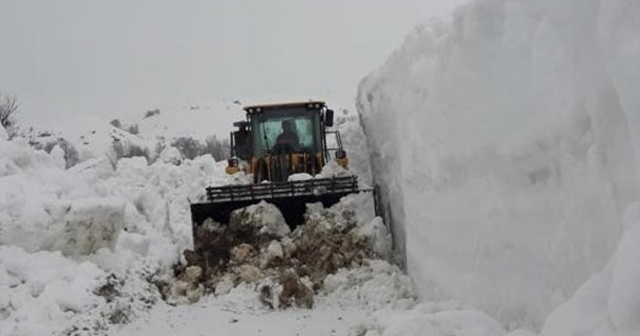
x=290, y=197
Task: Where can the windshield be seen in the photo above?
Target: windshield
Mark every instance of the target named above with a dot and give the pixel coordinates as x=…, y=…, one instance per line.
x=296, y=132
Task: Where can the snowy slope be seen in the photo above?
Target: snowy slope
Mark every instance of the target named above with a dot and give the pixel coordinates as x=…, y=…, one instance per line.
x=507, y=144
x=93, y=136
x=198, y=121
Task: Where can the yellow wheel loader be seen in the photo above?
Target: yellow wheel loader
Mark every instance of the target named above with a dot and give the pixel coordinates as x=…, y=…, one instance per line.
x=273, y=143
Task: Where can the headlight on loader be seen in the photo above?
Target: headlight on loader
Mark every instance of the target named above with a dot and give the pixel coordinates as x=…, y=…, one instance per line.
x=232, y=166
x=341, y=158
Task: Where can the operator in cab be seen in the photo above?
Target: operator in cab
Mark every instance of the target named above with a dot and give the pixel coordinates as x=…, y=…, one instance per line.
x=287, y=140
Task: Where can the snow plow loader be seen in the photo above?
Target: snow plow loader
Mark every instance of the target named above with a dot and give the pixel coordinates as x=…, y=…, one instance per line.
x=283, y=147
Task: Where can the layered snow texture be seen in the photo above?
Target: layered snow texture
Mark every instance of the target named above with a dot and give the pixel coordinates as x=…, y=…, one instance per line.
x=507, y=145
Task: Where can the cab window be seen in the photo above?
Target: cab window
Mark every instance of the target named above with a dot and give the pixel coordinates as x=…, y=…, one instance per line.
x=267, y=132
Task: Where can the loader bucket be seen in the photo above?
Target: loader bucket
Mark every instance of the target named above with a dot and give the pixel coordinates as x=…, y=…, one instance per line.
x=290, y=197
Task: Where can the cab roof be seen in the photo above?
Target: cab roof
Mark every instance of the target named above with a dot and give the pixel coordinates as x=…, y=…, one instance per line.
x=259, y=107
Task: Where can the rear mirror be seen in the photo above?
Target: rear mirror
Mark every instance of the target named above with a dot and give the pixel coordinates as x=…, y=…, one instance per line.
x=328, y=118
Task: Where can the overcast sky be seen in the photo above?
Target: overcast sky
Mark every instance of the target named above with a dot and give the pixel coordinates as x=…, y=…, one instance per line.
x=68, y=58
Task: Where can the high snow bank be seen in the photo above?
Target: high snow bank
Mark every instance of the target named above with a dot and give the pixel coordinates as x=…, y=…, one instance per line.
x=507, y=146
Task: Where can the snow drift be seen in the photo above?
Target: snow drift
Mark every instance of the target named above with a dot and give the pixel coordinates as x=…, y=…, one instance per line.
x=507, y=146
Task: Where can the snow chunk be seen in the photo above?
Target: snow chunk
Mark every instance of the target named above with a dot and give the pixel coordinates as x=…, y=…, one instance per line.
x=171, y=155
x=133, y=165
x=379, y=237
x=373, y=286
x=274, y=253
x=333, y=169
x=300, y=177
x=89, y=225
x=264, y=216
x=57, y=153
x=274, y=250
x=94, y=169
x=134, y=242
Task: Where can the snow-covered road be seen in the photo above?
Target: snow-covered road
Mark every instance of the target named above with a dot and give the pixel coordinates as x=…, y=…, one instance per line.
x=214, y=316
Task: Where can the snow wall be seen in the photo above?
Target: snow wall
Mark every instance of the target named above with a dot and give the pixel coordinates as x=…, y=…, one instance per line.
x=507, y=146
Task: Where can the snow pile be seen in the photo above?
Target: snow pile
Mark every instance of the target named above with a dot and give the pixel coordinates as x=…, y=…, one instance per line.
x=264, y=217
x=299, y=177
x=507, y=146
x=373, y=286
x=41, y=208
x=333, y=169
x=39, y=290
x=90, y=225
x=171, y=155
x=43, y=293
x=84, y=248
x=258, y=247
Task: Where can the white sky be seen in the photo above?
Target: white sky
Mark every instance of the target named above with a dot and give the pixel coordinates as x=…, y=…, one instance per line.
x=68, y=58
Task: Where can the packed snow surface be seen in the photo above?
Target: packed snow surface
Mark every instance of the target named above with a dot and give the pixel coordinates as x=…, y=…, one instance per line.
x=507, y=146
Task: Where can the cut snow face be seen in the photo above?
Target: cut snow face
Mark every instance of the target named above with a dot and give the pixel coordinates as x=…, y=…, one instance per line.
x=90, y=225
x=506, y=144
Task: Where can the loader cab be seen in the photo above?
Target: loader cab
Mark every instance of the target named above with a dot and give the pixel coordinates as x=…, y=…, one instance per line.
x=278, y=140
x=286, y=128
